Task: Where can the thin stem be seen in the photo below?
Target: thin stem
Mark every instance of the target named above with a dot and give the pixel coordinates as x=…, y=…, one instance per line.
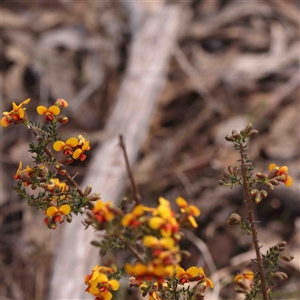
x=136, y=195
x=252, y=223
x=50, y=155
x=134, y=252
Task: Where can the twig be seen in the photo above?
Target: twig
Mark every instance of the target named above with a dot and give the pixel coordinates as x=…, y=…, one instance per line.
x=136, y=195
x=252, y=223
x=134, y=252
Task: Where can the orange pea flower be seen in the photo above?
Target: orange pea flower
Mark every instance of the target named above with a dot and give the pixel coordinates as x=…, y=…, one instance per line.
x=185, y=276
x=16, y=115
x=190, y=210
x=149, y=271
x=103, y=211
x=99, y=285
x=55, y=215
x=283, y=172
x=49, y=113
x=164, y=219
x=67, y=146
x=24, y=175
x=82, y=146
x=133, y=219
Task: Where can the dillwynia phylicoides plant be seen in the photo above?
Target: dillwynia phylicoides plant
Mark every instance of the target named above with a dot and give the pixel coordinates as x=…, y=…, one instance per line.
x=260, y=283
x=151, y=234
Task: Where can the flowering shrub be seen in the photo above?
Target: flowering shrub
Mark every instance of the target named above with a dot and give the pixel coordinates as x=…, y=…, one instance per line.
x=151, y=234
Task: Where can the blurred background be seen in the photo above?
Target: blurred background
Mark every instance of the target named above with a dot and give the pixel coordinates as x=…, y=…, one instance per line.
x=199, y=69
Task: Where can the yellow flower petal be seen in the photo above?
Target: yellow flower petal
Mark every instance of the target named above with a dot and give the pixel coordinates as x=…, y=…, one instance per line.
x=164, y=211
x=126, y=220
x=25, y=101
x=283, y=170
x=179, y=271
x=86, y=146
x=272, y=166
x=168, y=242
x=105, y=295
x=21, y=113
x=201, y=272
x=41, y=109
x=94, y=291
x=65, y=209
x=156, y=222
x=195, y=210
x=72, y=142
x=4, y=122
x=289, y=181
x=166, y=232
x=192, y=271
x=114, y=284
x=51, y=211
x=138, y=210
x=150, y=240
x=76, y=153
x=209, y=283
x=193, y=221
x=15, y=106
x=181, y=202
x=54, y=110
x=58, y=146
x=163, y=201
x=102, y=278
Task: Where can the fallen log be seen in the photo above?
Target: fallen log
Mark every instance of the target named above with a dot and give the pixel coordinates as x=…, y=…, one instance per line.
x=135, y=105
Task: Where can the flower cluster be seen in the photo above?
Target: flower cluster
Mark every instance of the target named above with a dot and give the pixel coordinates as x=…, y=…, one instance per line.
x=16, y=115
x=243, y=281
x=73, y=148
x=99, y=284
x=58, y=199
x=54, y=110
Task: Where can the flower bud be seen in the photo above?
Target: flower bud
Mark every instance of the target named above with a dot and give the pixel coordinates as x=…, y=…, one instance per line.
x=221, y=182
x=69, y=218
x=230, y=169
x=261, y=175
x=229, y=138
x=247, y=129
x=226, y=175
x=254, y=192
x=252, y=133
x=263, y=193
x=273, y=173
x=90, y=214
x=87, y=191
x=287, y=258
x=24, y=177
x=234, y=219
x=280, y=246
x=61, y=103
x=60, y=169
x=235, y=170
x=89, y=221
x=274, y=181
x=280, y=276
x=237, y=136
x=62, y=120
x=270, y=186
x=94, y=197
x=257, y=198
